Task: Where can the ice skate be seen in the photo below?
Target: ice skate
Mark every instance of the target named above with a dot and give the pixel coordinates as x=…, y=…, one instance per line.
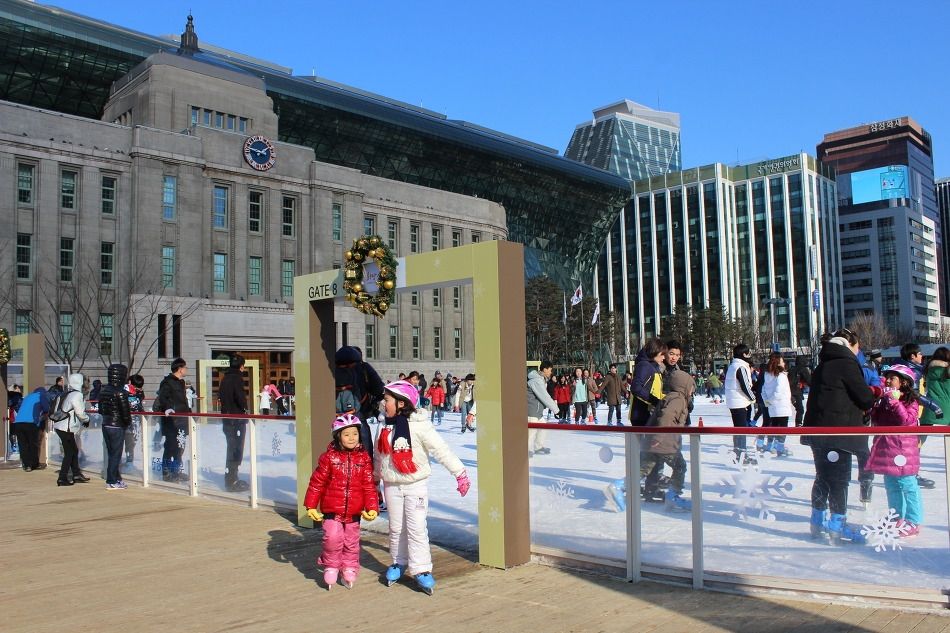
x=349, y=578
x=614, y=494
x=330, y=575
x=393, y=574
x=841, y=532
x=867, y=488
x=673, y=502
x=426, y=582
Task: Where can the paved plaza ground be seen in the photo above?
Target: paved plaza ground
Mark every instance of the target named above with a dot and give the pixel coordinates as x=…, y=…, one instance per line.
x=83, y=559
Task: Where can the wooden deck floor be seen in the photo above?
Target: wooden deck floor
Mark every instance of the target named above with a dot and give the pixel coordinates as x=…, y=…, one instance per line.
x=83, y=559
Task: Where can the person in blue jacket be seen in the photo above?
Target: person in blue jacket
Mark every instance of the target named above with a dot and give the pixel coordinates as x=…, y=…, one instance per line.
x=29, y=418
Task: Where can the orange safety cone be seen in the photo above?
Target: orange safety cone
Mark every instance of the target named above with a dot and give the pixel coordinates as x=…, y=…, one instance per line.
x=700, y=425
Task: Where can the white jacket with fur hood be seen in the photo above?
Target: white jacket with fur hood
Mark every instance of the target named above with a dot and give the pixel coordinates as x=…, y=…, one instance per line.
x=74, y=405
x=426, y=443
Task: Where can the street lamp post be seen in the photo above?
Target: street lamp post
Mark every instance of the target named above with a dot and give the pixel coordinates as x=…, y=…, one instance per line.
x=771, y=302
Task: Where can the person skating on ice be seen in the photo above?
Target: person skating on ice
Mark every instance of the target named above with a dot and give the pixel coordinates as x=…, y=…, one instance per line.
x=403, y=450
x=343, y=489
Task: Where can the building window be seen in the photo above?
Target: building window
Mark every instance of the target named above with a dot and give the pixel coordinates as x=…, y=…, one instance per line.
x=370, y=341
x=437, y=342
x=255, y=211
x=106, y=262
x=476, y=237
x=393, y=234
x=67, y=189
x=105, y=334
x=24, y=184
x=414, y=298
x=436, y=238
x=219, y=119
x=108, y=195
x=436, y=297
x=206, y=118
x=66, y=334
x=393, y=341
x=288, y=268
x=456, y=237
x=254, y=268
x=415, y=342
x=176, y=335
x=220, y=272
x=219, y=210
x=457, y=297
x=24, y=256
x=337, y=222
x=168, y=267
x=22, y=325
x=232, y=120
x=369, y=225
x=162, y=331
x=288, y=213
x=169, y=197
x=457, y=342
x=67, y=259
x=413, y=238
x=242, y=124
x=195, y=114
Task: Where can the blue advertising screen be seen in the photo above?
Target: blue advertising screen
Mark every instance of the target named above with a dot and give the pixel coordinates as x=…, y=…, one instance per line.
x=880, y=183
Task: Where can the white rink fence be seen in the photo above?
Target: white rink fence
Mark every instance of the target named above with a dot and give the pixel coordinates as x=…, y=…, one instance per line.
x=747, y=531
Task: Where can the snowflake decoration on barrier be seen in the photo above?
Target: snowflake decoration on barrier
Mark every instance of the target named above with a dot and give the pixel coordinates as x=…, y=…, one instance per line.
x=751, y=490
x=182, y=439
x=275, y=445
x=136, y=429
x=561, y=492
x=884, y=531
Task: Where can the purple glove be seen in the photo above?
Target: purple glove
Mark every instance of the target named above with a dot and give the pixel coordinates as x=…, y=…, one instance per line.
x=464, y=483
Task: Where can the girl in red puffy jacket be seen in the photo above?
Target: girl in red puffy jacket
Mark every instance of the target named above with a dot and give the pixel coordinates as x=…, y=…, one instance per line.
x=342, y=486
x=562, y=395
x=436, y=395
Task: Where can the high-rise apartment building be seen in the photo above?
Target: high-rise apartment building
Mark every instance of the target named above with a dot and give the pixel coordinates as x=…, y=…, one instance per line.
x=890, y=225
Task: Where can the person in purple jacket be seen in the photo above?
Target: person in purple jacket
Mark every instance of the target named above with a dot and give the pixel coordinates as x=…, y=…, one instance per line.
x=897, y=457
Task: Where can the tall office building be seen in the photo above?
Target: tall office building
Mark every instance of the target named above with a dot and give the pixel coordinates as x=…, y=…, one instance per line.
x=632, y=141
x=753, y=238
x=890, y=225
x=943, y=204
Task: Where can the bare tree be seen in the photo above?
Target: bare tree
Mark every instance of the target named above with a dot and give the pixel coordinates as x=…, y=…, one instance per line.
x=873, y=332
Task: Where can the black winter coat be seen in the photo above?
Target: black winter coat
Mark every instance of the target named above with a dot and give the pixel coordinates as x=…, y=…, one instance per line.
x=114, y=406
x=839, y=396
x=231, y=392
x=171, y=395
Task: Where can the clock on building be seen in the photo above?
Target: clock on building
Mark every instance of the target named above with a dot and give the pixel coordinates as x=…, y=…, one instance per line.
x=259, y=153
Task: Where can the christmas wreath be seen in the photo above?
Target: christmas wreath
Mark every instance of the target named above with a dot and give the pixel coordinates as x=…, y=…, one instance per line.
x=4, y=346
x=370, y=249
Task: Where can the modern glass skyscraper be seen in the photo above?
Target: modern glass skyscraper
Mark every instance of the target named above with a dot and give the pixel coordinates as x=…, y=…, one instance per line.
x=736, y=236
x=891, y=234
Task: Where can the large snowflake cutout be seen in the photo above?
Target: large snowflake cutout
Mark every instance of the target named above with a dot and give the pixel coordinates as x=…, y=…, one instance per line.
x=275, y=445
x=182, y=439
x=884, y=531
x=749, y=488
x=561, y=492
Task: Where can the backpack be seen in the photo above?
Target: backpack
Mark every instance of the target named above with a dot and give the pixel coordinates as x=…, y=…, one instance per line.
x=350, y=394
x=56, y=413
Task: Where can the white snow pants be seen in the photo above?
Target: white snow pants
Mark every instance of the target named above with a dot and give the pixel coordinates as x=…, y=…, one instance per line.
x=408, y=506
x=535, y=436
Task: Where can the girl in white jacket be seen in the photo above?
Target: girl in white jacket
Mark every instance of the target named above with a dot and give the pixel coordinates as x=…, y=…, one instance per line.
x=777, y=395
x=73, y=405
x=403, y=450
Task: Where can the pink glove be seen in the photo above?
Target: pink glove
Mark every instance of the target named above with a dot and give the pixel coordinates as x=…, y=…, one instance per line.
x=464, y=483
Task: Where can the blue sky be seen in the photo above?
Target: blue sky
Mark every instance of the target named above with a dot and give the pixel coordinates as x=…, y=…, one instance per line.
x=750, y=80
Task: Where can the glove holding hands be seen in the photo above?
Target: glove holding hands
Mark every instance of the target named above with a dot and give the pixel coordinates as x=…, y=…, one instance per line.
x=464, y=483
x=369, y=515
x=314, y=514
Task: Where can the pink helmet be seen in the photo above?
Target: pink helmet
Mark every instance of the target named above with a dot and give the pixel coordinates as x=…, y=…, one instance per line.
x=343, y=421
x=404, y=391
x=903, y=371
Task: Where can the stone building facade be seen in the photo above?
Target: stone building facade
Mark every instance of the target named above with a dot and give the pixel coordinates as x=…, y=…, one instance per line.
x=156, y=232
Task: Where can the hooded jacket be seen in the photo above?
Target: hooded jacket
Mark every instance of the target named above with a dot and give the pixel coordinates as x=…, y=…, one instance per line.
x=342, y=484
x=838, y=397
x=672, y=411
x=114, y=399
x=33, y=408
x=891, y=412
x=74, y=405
x=938, y=390
x=538, y=396
x=426, y=444
x=231, y=392
x=777, y=395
